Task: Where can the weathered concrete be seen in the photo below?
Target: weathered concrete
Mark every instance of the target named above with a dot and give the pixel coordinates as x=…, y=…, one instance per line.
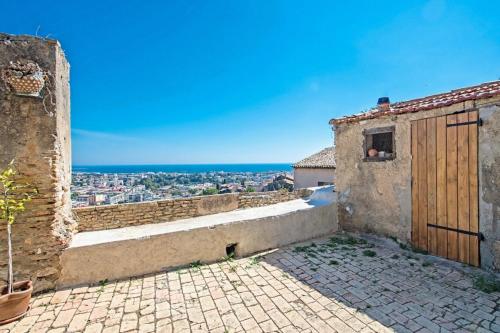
x=36, y=133
x=309, y=177
x=125, y=252
x=376, y=196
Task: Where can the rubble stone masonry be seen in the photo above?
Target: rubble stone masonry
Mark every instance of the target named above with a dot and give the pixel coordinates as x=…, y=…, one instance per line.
x=133, y=214
x=35, y=132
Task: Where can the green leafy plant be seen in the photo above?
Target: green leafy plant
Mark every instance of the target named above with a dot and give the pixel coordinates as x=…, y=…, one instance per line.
x=13, y=197
x=195, y=265
x=102, y=284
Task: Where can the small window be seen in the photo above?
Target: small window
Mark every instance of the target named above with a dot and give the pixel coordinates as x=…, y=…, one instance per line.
x=379, y=144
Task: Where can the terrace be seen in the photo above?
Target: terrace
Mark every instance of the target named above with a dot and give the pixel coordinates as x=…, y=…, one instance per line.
x=235, y=262
x=334, y=284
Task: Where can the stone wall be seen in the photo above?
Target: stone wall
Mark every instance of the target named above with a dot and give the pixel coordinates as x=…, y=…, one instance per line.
x=35, y=131
x=125, y=215
x=258, y=199
x=376, y=196
x=116, y=254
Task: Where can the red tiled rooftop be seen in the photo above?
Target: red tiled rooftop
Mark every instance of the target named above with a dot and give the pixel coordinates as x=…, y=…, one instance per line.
x=484, y=90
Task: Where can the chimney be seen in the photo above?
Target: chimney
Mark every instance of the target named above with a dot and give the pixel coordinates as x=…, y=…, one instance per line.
x=383, y=104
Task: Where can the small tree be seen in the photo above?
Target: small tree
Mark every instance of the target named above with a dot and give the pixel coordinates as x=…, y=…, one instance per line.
x=13, y=196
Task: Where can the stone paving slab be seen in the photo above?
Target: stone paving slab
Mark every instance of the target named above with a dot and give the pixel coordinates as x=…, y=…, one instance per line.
x=339, y=284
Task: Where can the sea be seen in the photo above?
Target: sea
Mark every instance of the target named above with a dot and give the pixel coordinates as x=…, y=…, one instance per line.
x=184, y=168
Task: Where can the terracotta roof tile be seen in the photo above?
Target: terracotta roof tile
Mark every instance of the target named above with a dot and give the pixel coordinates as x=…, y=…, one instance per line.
x=484, y=90
x=324, y=159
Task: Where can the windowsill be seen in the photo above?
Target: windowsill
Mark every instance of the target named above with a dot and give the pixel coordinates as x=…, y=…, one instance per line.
x=378, y=159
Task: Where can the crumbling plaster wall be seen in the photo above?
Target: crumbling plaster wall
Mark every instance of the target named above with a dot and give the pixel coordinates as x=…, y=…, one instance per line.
x=36, y=133
x=376, y=196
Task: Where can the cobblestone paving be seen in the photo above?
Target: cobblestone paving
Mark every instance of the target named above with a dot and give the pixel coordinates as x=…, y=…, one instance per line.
x=342, y=284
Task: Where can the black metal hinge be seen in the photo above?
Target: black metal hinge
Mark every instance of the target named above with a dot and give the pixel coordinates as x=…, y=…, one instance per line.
x=479, y=122
x=479, y=235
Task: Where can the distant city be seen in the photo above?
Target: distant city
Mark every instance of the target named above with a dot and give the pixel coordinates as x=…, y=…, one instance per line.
x=93, y=188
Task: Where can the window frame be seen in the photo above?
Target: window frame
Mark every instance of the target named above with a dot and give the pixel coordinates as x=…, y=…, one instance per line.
x=378, y=130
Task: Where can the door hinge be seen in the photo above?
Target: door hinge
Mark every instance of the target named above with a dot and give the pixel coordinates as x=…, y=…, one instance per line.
x=478, y=122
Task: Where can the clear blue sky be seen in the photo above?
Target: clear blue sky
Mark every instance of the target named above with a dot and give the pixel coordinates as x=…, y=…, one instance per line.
x=249, y=81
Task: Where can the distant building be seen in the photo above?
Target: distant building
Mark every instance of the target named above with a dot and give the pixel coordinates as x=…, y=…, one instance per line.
x=115, y=199
x=135, y=197
x=96, y=199
x=280, y=182
x=82, y=200
x=315, y=170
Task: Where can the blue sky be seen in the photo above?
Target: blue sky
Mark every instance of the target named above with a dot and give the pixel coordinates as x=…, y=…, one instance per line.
x=249, y=81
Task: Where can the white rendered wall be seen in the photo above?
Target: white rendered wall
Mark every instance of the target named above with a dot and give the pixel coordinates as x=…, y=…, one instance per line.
x=308, y=177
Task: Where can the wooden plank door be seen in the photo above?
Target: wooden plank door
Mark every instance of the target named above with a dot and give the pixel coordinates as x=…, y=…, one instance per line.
x=445, y=218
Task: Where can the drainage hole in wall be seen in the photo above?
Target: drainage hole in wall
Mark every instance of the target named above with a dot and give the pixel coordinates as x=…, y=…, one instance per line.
x=231, y=249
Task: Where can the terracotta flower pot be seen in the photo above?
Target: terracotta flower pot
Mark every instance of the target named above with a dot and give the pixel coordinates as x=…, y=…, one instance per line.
x=372, y=152
x=13, y=306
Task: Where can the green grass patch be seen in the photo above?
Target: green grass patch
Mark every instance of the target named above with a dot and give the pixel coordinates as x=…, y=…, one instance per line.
x=419, y=251
x=255, y=260
x=349, y=240
x=369, y=253
x=487, y=284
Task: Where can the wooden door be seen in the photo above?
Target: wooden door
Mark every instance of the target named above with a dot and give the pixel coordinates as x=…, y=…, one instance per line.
x=445, y=214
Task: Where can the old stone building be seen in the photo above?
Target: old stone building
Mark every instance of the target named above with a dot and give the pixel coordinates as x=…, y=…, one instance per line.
x=426, y=171
x=315, y=170
x=35, y=132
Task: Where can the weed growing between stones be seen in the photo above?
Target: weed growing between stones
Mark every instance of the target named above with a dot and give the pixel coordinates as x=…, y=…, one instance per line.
x=196, y=265
x=255, y=260
x=349, y=240
x=369, y=253
x=228, y=258
x=102, y=284
x=487, y=284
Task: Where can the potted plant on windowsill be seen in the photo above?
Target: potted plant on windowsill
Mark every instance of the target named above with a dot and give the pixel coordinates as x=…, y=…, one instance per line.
x=14, y=297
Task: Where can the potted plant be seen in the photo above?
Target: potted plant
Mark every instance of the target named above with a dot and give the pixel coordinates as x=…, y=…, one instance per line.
x=14, y=297
x=25, y=78
x=372, y=152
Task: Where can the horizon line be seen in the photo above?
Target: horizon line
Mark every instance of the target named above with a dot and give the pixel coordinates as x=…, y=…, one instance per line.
x=152, y=164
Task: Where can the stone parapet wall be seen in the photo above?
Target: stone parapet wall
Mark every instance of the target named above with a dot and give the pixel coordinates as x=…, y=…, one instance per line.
x=133, y=214
x=117, y=254
x=259, y=199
